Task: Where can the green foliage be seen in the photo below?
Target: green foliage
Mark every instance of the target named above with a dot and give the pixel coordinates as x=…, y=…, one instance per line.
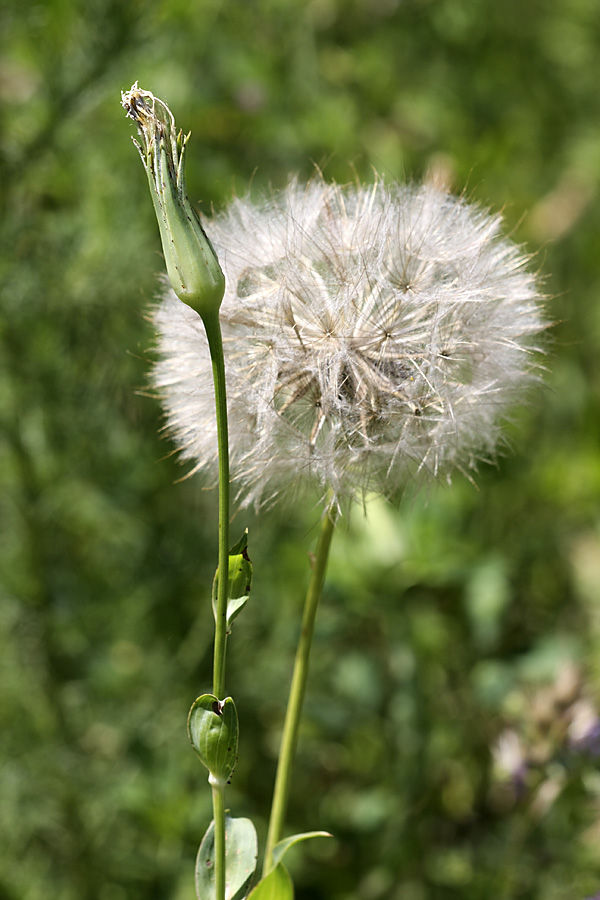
x=435, y=612
x=240, y=580
x=213, y=730
x=240, y=860
x=276, y=886
x=282, y=847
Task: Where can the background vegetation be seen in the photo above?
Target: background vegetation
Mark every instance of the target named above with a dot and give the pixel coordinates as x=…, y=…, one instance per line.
x=442, y=616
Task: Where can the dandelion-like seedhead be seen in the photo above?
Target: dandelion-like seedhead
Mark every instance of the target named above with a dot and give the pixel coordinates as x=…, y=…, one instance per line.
x=370, y=333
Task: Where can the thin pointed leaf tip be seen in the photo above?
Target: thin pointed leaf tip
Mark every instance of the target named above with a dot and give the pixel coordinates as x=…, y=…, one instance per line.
x=192, y=265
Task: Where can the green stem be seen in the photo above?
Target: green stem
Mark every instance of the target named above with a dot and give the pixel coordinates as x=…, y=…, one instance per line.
x=215, y=343
x=289, y=736
x=218, y=799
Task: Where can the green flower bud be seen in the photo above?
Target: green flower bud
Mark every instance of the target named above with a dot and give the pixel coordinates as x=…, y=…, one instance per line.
x=213, y=731
x=192, y=264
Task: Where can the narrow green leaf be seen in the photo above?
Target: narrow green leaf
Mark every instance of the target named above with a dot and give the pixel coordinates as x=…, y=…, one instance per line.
x=276, y=886
x=241, y=852
x=281, y=848
x=240, y=579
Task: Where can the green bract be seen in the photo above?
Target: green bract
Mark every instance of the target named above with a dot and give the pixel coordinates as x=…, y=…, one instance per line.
x=192, y=264
x=239, y=582
x=213, y=731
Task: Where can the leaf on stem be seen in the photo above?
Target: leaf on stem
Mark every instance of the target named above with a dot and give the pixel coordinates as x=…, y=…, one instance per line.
x=213, y=729
x=276, y=886
x=240, y=580
x=241, y=852
x=281, y=848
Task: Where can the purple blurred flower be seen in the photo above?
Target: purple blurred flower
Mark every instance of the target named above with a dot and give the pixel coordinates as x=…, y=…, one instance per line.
x=584, y=732
x=510, y=760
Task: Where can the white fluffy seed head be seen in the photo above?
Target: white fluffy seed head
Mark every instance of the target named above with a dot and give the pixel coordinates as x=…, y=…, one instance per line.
x=370, y=333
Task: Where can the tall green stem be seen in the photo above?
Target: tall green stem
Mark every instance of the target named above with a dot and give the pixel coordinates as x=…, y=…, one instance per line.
x=218, y=799
x=215, y=343
x=298, y=687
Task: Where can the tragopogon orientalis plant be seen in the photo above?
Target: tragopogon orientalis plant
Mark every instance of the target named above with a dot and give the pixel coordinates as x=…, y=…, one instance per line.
x=372, y=334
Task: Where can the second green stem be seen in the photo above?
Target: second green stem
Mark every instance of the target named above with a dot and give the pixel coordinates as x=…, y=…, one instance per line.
x=298, y=687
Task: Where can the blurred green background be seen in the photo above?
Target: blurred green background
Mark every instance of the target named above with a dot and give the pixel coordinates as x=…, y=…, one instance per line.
x=442, y=617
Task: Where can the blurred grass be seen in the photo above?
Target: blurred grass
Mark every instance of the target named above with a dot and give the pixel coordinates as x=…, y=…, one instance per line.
x=434, y=611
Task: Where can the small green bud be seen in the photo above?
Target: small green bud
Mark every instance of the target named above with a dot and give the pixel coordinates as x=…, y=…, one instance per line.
x=213, y=730
x=192, y=264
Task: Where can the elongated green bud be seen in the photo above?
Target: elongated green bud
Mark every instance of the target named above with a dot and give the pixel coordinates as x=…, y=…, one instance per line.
x=192, y=264
x=213, y=730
